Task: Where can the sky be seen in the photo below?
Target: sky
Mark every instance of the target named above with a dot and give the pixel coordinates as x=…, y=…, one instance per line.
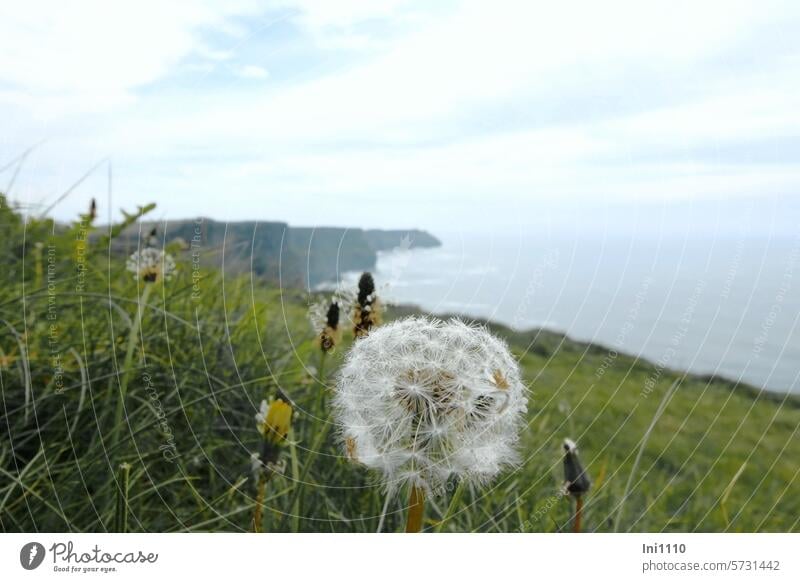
x=463, y=115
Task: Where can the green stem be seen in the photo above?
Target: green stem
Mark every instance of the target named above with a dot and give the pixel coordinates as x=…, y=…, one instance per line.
x=126, y=366
x=123, y=482
x=454, y=501
x=257, y=519
x=318, y=441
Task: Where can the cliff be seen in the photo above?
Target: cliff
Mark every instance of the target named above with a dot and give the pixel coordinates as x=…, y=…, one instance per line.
x=295, y=256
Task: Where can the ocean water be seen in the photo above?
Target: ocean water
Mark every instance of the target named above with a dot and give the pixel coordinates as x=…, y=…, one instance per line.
x=725, y=305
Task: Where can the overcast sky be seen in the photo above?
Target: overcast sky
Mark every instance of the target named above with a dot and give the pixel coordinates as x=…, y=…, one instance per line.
x=442, y=115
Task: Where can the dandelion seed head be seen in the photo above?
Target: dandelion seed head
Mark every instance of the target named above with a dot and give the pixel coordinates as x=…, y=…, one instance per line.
x=419, y=416
x=151, y=265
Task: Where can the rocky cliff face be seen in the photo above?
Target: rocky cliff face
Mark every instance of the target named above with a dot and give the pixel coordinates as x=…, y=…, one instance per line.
x=295, y=256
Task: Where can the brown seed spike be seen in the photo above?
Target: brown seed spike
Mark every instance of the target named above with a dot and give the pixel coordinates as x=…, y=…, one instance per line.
x=366, y=314
x=332, y=316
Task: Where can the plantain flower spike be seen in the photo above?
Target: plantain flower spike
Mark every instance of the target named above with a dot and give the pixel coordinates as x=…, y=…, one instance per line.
x=367, y=311
x=422, y=401
x=325, y=321
x=151, y=265
x=152, y=239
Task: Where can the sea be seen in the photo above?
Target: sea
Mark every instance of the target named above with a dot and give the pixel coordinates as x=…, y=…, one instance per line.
x=725, y=305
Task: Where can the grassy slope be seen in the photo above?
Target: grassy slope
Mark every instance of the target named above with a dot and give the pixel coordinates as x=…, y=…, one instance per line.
x=708, y=432
x=210, y=359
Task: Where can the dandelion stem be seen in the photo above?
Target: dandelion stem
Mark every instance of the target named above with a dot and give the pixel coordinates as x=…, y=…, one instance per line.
x=127, y=364
x=416, y=509
x=576, y=523
x=454, y=501
x=260, y=492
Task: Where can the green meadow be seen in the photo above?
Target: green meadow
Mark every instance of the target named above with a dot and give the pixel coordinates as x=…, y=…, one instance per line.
x=130, y=406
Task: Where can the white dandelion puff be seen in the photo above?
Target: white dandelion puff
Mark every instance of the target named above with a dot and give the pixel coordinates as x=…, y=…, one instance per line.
x=423, y=401
x=151, y=265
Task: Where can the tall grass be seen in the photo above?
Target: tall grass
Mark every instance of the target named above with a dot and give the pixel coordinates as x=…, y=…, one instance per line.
x=206, y=353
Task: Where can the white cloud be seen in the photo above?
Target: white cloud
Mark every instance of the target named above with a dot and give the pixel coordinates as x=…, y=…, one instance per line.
x=341, y=24
x=252, y=72
x=474, y=59
x=466, y=105
x=100, y=51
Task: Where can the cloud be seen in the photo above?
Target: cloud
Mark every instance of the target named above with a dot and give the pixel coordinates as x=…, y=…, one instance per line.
x=524, y=61
x=395, y=103
x=252, y=72
x=63, y=53
x=350, y=24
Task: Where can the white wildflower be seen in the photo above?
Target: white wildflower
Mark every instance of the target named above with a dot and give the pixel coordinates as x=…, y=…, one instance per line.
x=421, y=401
x=151, y=265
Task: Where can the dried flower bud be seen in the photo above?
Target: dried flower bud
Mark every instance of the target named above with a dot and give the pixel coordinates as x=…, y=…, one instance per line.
x=576, y=480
